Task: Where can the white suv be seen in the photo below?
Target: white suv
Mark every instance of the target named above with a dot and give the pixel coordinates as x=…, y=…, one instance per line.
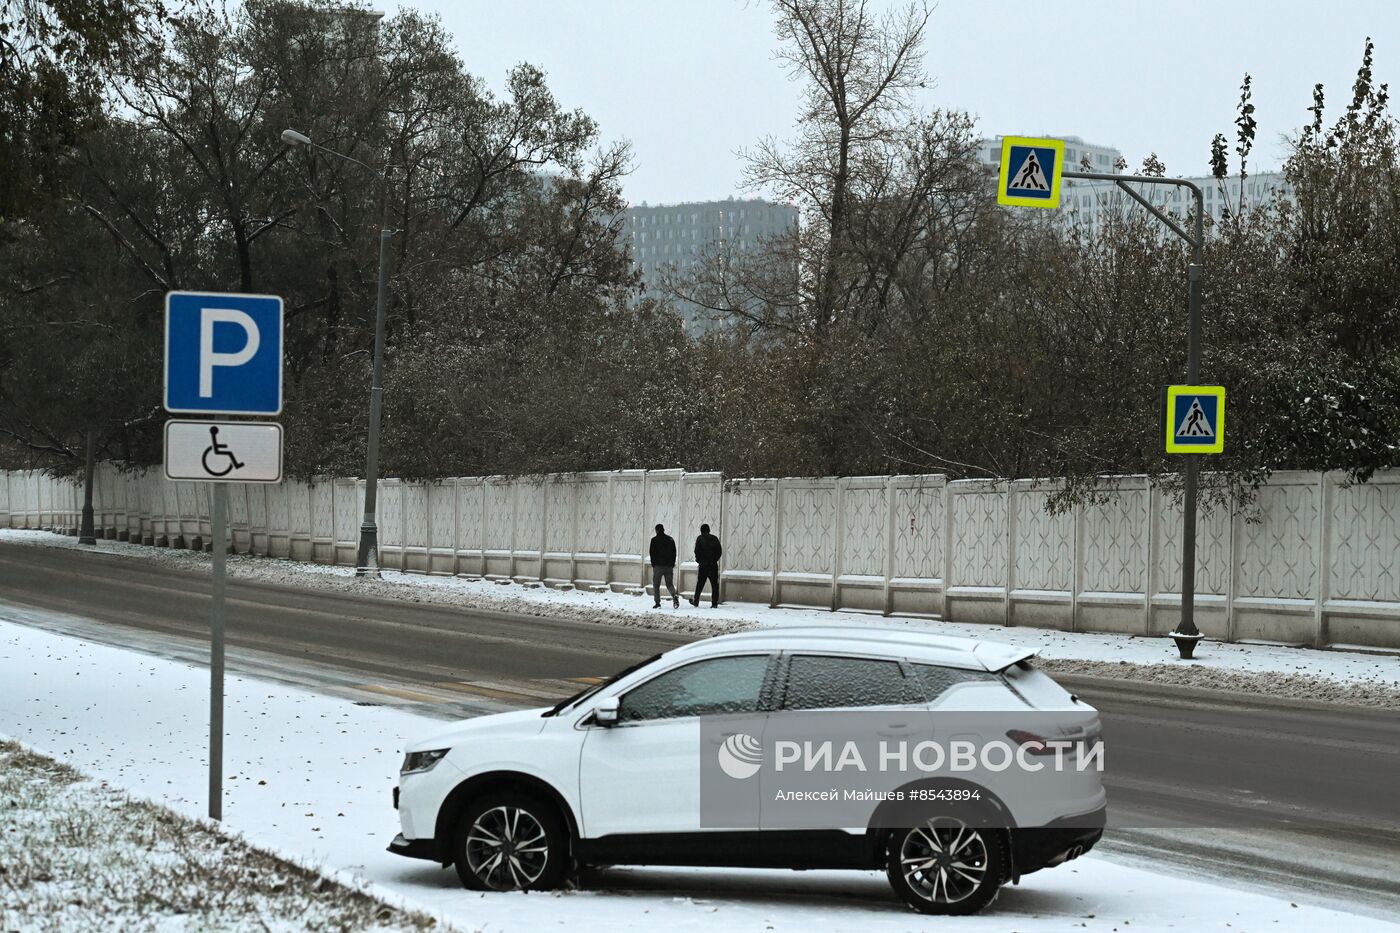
x=613, y=775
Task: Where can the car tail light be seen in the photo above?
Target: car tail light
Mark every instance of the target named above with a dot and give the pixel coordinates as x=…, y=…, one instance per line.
x=1034, y=744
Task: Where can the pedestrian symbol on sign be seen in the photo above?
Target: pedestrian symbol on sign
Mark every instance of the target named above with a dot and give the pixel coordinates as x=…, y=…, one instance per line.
x=1029, y=176
x=1195, y=423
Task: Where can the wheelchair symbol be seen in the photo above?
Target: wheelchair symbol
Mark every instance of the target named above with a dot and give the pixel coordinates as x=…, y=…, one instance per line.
x=219, y=449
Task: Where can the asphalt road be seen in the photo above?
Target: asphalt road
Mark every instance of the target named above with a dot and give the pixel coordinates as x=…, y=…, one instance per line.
x=1276, y=796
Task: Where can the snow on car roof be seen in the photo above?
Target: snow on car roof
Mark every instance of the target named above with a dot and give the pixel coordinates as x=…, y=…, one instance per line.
x=948, y=650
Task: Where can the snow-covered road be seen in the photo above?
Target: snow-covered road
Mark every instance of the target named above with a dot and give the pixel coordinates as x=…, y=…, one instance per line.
x=311, y=775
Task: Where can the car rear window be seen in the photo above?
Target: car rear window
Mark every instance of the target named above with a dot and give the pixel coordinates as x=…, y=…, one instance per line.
x=935, y=680
x=830, y=682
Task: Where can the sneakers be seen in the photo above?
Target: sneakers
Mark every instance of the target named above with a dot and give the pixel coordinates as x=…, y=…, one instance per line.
x=675, y=602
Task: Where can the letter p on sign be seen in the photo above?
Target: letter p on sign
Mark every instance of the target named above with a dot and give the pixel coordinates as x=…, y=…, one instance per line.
x=209, y=358
x=223, y=353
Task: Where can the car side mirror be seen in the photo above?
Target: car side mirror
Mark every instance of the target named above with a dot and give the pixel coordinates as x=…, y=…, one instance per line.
x=605, y=713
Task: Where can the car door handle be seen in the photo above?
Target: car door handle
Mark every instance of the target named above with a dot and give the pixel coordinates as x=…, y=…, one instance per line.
x=896, y=728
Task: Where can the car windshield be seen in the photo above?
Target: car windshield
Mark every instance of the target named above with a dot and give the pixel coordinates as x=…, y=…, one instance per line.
x=588, y=691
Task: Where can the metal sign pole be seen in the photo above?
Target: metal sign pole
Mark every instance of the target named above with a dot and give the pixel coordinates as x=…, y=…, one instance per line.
x=1186, y=634
x=219, y=520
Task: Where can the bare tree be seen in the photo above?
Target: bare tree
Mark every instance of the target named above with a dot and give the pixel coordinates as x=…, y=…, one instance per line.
x=858, y=71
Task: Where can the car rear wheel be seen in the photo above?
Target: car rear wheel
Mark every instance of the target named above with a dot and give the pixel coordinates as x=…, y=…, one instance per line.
x=511, y=842
x=945, y=866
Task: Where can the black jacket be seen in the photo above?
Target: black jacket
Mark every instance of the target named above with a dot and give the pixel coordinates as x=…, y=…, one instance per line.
x=707, y=550
x=663, y=551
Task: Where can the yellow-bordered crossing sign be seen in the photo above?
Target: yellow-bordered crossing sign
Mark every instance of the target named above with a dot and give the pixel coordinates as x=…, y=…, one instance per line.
x=1030, y=171
x=1195, y=419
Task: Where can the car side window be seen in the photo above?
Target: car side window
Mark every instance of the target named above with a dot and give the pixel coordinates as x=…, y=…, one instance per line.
x=828, y=682
x=935, y=680
x=717, y=685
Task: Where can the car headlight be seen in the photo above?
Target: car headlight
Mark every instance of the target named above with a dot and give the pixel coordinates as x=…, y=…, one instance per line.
x=416, y=762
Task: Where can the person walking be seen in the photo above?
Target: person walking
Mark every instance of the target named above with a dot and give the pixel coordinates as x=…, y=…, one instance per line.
x=663, y=566
x=707, y=555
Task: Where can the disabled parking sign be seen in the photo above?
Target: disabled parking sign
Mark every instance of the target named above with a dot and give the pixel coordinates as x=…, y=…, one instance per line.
x=223, y=451
x=223, y=353
x=1195, y=419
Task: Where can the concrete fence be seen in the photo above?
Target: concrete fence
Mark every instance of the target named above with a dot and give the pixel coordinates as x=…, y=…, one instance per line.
x=1315, y=561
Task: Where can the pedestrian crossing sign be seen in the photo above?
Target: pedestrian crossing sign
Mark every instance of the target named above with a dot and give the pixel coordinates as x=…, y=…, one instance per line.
x=1195, y=419
x=1030, y=171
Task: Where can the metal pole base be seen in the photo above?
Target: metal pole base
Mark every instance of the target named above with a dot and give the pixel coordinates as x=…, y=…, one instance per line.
x=367, y=557
x=87, y=534
x=1186, y=644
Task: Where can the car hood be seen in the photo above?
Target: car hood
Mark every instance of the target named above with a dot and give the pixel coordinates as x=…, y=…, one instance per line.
x=517, y=722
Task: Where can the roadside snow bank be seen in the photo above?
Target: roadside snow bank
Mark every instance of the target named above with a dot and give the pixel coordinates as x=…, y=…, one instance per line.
x=311, y=775
x=79, y=855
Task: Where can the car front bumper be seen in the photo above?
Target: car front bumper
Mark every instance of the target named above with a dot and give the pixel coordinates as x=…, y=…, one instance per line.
x=428, y=849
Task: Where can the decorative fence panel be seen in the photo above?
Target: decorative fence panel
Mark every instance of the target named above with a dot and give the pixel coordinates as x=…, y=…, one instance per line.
x=1311, y=561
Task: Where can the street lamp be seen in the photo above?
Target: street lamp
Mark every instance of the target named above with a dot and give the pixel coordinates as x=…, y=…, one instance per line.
x=367, y=555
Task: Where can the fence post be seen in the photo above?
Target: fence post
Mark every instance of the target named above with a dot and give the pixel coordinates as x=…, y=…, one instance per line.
x=948, y=537
x=1232, y=582
x=514, y=522
x=1076, y=561
x=1010, y=546
x=1151, y=550
x=840, y=543
x=546, y=489
x=1320, y=638
x=481, y=552
x=777, y=540
x=646, y=527
x=888, y=604
x=680, y=533
x=608, y=544
x=574, y=484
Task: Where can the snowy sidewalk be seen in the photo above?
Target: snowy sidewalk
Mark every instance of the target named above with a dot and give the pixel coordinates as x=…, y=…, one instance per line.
x=311, y=775
x=1310, y=672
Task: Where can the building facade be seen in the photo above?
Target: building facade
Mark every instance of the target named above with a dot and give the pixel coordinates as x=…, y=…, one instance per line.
x=670, y=239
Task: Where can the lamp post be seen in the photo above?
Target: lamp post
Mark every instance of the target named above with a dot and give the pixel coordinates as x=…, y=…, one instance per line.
x=367, y=554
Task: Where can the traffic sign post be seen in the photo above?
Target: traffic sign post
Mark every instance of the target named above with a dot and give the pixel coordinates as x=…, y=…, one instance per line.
x=1023, y=171
x=223, y=356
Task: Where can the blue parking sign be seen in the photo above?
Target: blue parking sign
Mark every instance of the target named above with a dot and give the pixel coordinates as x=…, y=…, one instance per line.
x=223, y=353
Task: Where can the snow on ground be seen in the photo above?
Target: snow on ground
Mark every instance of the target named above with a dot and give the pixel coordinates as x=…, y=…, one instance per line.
x=1341, y=676
x=87, y=857
x=310, y=775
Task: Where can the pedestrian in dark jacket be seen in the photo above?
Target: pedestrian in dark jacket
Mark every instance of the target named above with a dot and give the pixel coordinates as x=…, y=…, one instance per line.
x=707, y=555
x=663, y=566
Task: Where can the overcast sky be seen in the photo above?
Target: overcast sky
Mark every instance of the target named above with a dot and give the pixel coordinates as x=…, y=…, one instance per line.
x=690, y=82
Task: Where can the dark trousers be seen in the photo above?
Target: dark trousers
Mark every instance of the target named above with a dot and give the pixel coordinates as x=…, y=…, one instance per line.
x=657, y=575
x=707, y=572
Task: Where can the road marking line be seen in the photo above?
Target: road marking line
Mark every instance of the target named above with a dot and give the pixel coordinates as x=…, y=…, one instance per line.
x=493, y=692
x=402, y=693
x=587, y=680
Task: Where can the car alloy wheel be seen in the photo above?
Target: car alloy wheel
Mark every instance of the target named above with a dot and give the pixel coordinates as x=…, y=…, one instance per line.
x=507, y=848
x=945, y=866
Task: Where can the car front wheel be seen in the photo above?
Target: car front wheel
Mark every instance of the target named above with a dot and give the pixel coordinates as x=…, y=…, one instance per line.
x=511, y=842
x=945, y=866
